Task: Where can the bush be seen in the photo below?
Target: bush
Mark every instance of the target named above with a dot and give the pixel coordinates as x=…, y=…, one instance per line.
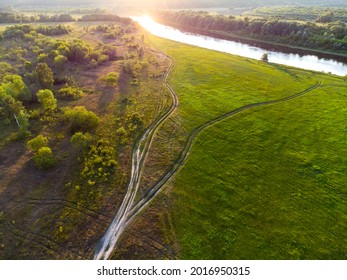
x=81, y=120
x=80, y=140
x=44, y=158
x=70, y=93
x=42, y=57
x=111, y=79
x=110, y=51
x=132, y=66
x=36, y=143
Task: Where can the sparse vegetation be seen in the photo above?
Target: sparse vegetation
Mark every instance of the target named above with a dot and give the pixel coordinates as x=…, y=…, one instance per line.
x=51, y=89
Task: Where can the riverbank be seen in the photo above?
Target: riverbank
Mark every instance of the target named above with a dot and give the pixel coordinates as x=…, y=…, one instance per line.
x=256, y=42
x=293, y=58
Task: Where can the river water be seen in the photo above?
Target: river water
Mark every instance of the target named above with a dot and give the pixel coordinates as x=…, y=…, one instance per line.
x=308, y=61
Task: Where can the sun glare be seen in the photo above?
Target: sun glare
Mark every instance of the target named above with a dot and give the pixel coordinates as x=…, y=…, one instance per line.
x=147, y=22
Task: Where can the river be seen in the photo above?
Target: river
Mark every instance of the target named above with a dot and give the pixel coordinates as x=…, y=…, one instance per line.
x=307, y=61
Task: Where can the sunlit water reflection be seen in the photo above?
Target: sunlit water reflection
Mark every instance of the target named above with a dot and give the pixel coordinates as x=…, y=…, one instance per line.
x=308, y=62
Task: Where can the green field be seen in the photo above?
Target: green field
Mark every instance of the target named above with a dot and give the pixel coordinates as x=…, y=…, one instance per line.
x=268, y=182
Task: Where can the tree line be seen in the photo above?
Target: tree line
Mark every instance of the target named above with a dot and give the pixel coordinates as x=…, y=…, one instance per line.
x=13, y=17
x=331, y=36
x=309, y=13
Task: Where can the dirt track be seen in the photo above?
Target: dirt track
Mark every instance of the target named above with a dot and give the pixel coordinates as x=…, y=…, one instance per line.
x=129, y=209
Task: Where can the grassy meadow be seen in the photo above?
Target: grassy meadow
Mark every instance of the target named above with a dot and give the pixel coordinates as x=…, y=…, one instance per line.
x=267, y=183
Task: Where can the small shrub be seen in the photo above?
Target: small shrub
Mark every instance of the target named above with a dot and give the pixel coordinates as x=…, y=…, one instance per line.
x=93, y=64
x=44, y=158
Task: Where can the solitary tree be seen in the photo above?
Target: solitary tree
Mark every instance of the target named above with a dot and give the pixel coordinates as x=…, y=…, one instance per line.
x=265, y=57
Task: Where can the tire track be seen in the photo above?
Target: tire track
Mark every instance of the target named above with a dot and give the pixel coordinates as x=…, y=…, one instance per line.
x=56, y=201
x=145, y=200
x=128, y=209
x=139, y=155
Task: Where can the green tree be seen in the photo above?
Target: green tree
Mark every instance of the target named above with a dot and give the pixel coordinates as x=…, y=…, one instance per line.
x=14, y=86
x=44, y=76
x=46, y=98
x=79, y=51
x=23, y=122
x=81, y=119
x=12, y=108
x=44, y=158
x=5, y=68
x=36, y=143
